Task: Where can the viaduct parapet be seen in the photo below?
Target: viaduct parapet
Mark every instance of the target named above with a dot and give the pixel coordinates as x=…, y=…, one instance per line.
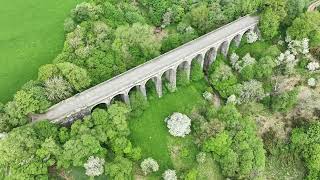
x=202, y=50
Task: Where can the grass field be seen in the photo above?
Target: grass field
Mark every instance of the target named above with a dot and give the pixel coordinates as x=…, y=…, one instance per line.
x=149, y=131
x=31, y=35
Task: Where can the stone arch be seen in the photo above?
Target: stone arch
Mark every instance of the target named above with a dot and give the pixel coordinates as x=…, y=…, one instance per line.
x=224, y=48
x=199, y=58
x=102, y=105
x=121, y=97
x=170, y=76
x=209, y=58
x=185, y=67
x=237, y=39
x=153, y=85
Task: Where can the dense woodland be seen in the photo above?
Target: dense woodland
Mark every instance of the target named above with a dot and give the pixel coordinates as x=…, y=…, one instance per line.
x=257, y=118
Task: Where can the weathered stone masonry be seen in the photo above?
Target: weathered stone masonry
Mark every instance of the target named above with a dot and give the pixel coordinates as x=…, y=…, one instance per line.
x=202, y=50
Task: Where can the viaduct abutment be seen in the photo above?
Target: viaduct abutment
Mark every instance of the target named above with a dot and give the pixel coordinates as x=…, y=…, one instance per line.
x=202, y=50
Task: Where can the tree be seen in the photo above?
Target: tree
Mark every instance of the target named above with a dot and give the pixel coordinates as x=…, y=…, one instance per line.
x=119, y=168
x=264, y=68
x=178, y=124
x=285, y=101
x=31, y=101
x=135, y=44
x=305, y=141
x=94, y=166
x=57, y=89
x=223, y=79
x=203, y=19
x=149, y=165
x=24, y=156
x=76, y=151
x=237, y=148
x=85, y=11
x=269, y=24
x=295, y=8
x=75, y=75
x=48, y=71
x=45, y=129
x=169, y=175
x=251, y=91
x=311, y=25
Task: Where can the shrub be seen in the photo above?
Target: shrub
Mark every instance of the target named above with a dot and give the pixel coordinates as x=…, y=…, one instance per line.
x=223, y=80
x=251, y=91
x=178, y=124
x=169, y=175
x=285, y=101
x=149, y=165
x=252, y=37
x=57, y=89
x=201, y=157
x=94, y=166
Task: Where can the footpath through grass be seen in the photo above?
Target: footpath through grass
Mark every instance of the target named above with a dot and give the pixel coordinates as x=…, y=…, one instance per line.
x=31, y=35
x=149, y=131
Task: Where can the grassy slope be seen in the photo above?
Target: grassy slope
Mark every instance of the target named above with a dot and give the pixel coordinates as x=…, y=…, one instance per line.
x=31, y=35
x=149, y=130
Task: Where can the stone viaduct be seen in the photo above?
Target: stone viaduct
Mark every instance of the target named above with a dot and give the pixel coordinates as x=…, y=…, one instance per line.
x=202, y=50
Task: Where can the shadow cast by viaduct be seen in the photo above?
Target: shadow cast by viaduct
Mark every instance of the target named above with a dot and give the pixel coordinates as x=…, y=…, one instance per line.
x=202, y=50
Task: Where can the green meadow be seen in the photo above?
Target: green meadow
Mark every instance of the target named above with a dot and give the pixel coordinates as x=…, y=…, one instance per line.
x=31, y=35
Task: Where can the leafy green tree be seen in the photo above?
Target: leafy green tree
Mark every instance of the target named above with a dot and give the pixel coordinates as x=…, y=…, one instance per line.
x=285, y=101
x=269, y=24
x=136, y=44
x=237, y=148
x=119, y=168
x=48, y=71
x=274, y=12
x=182, y=78
x=76, y=151
x=75, y=75
x=264, y=68
x=205, y=17
x=5, y=124
x=85, y=11
x=311, y=25
x=156, y=9
x=295, y=8
x=45, y=130
x=223, y=79
x=29, y=101
x=306, y=142
x=19, y=158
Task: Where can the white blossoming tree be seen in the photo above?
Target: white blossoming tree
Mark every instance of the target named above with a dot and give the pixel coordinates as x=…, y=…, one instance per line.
x=149, y=165
x=207, y=96
x=169, y=175
x=313, y=66
x=232, y=99
x=247, y=60
x=251, y=91
x=94, y=166
x=252, y=37
x=312, y=82
x=234, y=59
x=178, y=124
x=201, y=157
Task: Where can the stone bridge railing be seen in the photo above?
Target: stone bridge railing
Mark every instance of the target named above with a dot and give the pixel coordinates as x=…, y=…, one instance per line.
x=202, y=50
